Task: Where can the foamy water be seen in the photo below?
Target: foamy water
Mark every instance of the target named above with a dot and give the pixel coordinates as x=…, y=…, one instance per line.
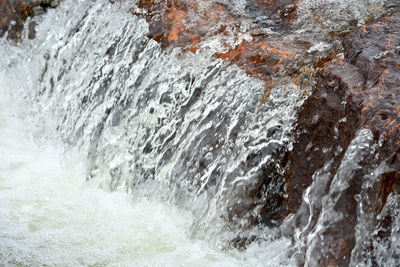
x=50, y=215
x=115, y=152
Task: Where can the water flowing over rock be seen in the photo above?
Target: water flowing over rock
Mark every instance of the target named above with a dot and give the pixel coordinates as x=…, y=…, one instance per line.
x=345, y=159
x=278, y=117
x=353, y=106
x=238, y=34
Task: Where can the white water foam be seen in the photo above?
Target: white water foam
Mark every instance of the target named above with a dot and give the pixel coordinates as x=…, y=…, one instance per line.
x=50, y=215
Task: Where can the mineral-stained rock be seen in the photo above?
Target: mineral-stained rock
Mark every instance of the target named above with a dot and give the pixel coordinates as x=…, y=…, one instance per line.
x=183, y=23
x=347, y=131
x=261, y=38
x=267, y=57
x=13, y=13
x=188, y=24
x=360, y=93
x=355, y=91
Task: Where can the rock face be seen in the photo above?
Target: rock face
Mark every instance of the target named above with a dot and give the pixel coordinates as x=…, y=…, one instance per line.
x=190, y=24
x=347, y=140
x=355, y=99
x=13, y=14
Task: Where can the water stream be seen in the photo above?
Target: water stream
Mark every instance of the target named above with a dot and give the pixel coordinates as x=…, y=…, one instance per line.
x=116, y=152
x=106, y=147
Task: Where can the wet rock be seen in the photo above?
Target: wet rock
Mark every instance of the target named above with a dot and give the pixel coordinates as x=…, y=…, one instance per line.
x=329, y=119
x=325, y=128
x=13, y=14
x=359, y=93
x=273, y=13
x=346, y=130
x=240, y=36
x=261, y=38
x=268, y=57
x=185, y=24
x=375, y=51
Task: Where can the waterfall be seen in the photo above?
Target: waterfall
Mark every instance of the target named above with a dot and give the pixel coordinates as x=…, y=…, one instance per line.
x=119, y=150
x=163, y=126
x=189, y=122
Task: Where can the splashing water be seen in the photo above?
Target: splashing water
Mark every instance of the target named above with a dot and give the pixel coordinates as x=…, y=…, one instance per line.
x=84, y=100
x=114, y=151
x=334, y=15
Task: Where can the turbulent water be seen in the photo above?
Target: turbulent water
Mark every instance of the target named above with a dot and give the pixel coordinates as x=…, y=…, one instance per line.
x=114, y=151
x=50, y=216
x=105, y=152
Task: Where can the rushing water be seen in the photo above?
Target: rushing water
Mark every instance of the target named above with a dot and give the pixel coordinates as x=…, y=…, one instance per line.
x=80, y=106
x=50, y=216
x=114, y=151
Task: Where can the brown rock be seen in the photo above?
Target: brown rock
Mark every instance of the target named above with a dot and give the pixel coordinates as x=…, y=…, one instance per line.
x=321, y=128
x=326, y=126
x=267, y=57
x=375, y=50
x=183, y=23
x=13, y=14
x=187, y=24
x=361, y=92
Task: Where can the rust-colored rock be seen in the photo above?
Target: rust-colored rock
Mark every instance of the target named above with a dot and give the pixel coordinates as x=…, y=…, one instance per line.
x=265, y=58
x=189, y=23
x=184, y=23
x=353, y=92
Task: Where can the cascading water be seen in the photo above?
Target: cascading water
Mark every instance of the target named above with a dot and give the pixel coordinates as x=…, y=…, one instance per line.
x=173, y=130
x=118, y=151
